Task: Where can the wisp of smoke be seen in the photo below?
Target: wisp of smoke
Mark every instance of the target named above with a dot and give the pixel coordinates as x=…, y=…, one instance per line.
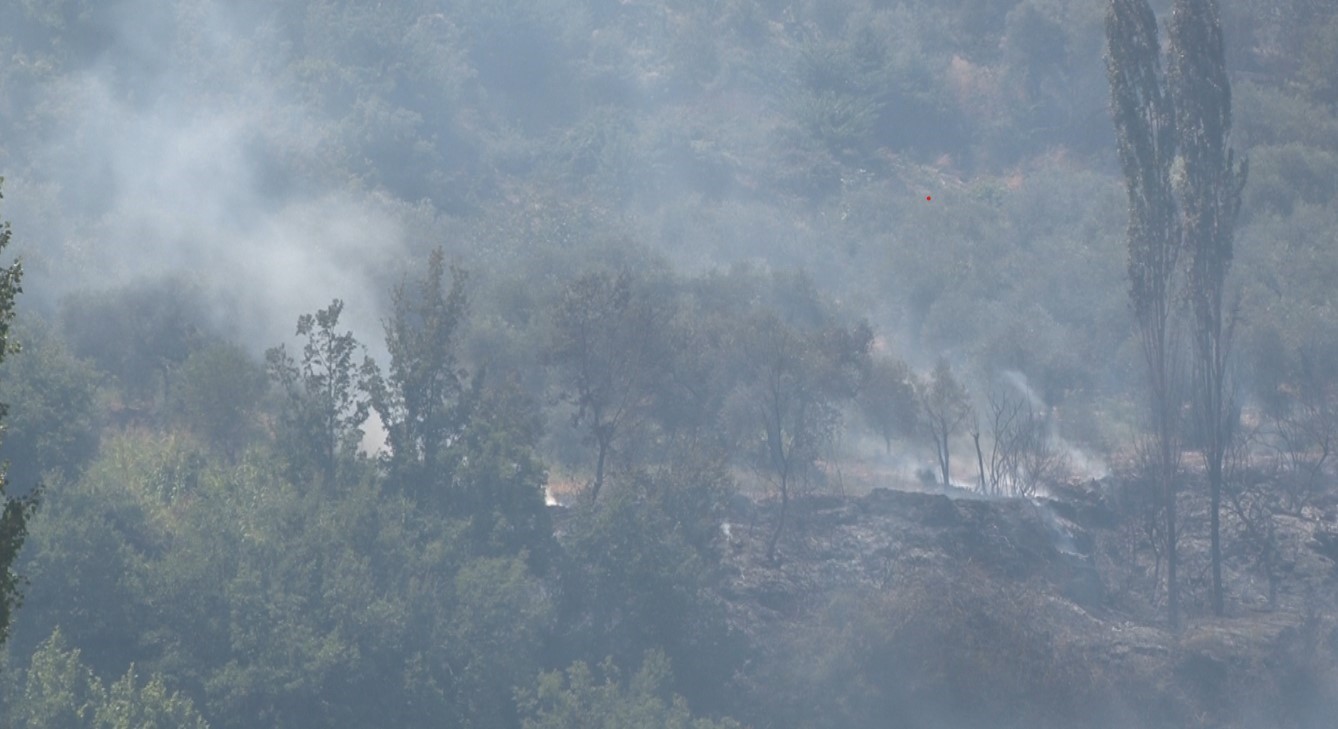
x=1080, y=462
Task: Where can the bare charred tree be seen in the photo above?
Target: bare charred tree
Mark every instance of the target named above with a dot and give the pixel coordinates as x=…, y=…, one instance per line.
x=1297, y=445
x=1302, y=439
x=1042, y=461
x=1011, y=424
x=1145, y=136
x=944, y=409
x=1209, y=187
x=1144, y=501
x=1021, y=454
x=1252, y=498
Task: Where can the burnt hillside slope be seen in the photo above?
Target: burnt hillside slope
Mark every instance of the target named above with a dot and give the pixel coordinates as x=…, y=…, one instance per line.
x=936, y=610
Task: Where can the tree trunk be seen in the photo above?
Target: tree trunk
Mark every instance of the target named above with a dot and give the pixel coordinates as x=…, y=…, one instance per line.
x=1172, y=558
x=1215, y=515
x=780, y=522
x=1166, y=453
x=943, y=458
x=599, y=469
x=980, y=460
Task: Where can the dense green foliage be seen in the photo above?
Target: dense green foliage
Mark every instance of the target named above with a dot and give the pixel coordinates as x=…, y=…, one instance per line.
x=576, y=699
x=583, y=291
x=60, y=692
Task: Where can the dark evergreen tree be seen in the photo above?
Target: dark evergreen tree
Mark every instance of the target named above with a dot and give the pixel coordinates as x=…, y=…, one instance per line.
x=1145, y=135
x=1209, y=187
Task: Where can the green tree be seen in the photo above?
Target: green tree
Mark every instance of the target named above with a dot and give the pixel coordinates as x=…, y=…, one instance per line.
x=456, y=444
x=497, y=618
x=607, y=343
x=498, y=481
x=61, y=692
x=887, y=399
x=788, y=404
x=290, y=607
x=218, y=389
x=1209, y=188
x=324, y=406
x=87, y=549
x=579, y=698
x=16, y=510
x=131, y=706
x=1145, y=137
x=52, y=420
x=139, y=334
x=640, y=570
x=423, y=403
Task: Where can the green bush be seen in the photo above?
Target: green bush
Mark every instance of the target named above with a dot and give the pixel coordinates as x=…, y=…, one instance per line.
x=640, y=577
x=218, y=389
x=60, y=692
x=52, y=421
x=580, y=698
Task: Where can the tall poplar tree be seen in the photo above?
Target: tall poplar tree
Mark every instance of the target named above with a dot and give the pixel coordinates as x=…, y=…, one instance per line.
x=1145, y=135
x=1209, y=188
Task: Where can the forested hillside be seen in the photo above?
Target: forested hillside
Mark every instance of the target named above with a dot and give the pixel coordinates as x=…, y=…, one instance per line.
x=502, y=363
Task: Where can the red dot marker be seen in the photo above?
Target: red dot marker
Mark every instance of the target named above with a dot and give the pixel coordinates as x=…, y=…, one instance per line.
x=929, y=197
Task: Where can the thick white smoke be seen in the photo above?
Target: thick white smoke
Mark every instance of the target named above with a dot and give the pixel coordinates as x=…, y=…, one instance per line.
x=160, y=159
